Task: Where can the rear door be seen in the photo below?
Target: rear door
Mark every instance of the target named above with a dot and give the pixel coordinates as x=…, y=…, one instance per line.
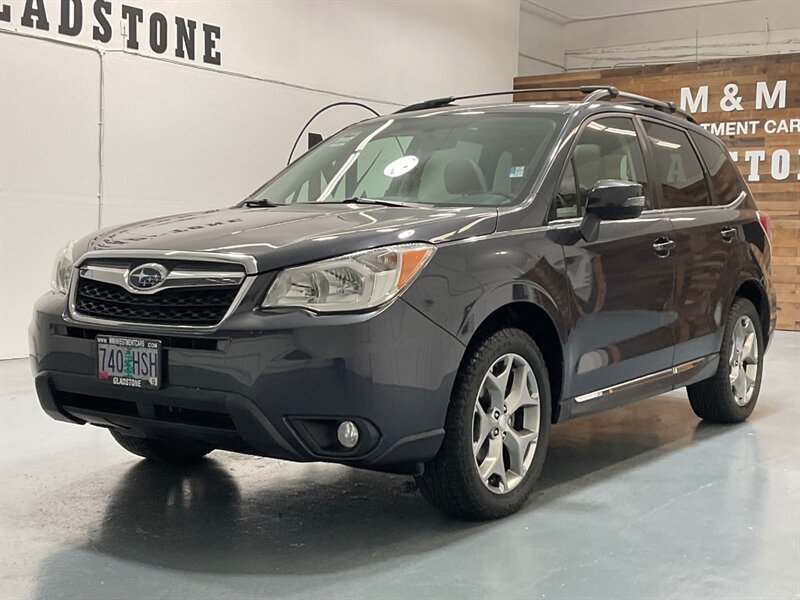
x=706, y=233
x=621, y=289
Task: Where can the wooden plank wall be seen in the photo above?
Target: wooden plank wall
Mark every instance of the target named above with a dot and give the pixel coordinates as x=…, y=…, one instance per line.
x=777, y=195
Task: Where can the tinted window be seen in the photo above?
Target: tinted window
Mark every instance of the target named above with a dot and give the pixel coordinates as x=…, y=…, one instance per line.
x=449, y=158
x=607, y=148
x=724, y=175
x=679, y=172
x=566, y=201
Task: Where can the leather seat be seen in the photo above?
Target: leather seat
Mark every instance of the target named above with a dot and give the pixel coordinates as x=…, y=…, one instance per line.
x=463, y=176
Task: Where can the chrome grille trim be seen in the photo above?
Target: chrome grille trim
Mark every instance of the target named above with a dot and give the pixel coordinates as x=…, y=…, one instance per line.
x=175, y=279
x=103, y=273
x=249, y=262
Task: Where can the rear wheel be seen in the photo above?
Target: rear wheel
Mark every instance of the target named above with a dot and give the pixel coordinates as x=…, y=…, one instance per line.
x=168, y=451
x=730, y=395
x=496, y=432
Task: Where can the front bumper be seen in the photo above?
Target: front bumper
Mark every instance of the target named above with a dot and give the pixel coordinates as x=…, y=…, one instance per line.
x=270, y=384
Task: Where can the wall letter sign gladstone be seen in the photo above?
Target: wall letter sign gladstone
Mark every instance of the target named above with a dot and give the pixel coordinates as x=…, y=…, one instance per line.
x=142, y=31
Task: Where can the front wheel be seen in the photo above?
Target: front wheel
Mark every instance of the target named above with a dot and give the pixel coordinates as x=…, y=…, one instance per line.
x=496, y=432
x=730, y=395
x=168, y=451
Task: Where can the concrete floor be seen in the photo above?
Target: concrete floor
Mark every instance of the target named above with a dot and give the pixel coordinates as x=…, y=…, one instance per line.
x=641, y=502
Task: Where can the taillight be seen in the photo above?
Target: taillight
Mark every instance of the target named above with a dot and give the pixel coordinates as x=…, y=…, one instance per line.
x=763, y=218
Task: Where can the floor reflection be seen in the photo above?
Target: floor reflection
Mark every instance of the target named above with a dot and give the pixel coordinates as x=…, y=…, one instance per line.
x=330, y=518
x=316, y=519
x=198, y=519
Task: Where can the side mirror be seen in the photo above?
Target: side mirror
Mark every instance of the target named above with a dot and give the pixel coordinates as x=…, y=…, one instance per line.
x=314, y=139
x=611, y=200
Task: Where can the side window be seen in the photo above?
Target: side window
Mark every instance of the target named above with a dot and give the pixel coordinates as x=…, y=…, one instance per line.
x=566, y=202
x=607, y=148
x=724, y=175
x=680, y=174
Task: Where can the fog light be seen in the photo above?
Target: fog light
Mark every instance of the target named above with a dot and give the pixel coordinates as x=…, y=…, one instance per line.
x=347, y=433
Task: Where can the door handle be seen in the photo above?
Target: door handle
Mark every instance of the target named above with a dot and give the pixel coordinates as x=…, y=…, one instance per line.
x=728, y=233
x=663, y=246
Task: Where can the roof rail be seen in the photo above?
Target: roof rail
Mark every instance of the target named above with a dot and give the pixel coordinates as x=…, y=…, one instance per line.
x=448, y=100
x=660, y=105
x=593, y=93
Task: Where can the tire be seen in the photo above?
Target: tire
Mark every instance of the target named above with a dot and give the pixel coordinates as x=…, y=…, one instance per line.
x=167, y=451
x=452, y=481
x=719, y=398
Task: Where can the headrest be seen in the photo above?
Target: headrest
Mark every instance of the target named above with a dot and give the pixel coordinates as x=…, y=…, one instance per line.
x=462, y=176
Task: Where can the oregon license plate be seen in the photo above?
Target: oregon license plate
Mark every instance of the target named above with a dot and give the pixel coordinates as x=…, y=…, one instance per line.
x=129, y=362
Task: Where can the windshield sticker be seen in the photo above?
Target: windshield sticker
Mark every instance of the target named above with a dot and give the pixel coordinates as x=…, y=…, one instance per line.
x=401, y=166
x=516, y=172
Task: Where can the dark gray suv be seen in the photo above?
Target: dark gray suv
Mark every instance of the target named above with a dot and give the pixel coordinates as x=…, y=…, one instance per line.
x=425, y=292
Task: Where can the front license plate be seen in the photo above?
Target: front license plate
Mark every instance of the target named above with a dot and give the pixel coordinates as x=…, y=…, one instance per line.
x=129, y=362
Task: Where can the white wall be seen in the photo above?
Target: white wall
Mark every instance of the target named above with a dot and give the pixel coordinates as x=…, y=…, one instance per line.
x=633, y=32
x=541, y=43
x=182, y=136
x=706, y=32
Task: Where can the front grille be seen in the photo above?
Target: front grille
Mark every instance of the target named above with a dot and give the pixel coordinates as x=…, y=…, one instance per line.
x=191, y=416
x=161, y=412
x=105, y=405
x=167, y=341
x=178, y=306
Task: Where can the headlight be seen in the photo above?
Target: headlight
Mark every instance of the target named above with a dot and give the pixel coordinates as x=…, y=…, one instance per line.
x=62, y=270
x=352, y=282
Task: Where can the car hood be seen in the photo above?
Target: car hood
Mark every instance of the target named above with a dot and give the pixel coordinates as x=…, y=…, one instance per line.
x=282, y=236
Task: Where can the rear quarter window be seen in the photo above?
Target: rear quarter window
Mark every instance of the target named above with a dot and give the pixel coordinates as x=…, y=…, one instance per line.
x=724, y=176
x=678, y=168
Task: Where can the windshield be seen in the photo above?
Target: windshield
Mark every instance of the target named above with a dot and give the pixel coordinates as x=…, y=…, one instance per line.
x=464, y=158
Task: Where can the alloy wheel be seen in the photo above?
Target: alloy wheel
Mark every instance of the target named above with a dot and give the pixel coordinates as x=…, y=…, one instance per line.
x=743, y=360
x=505, y=425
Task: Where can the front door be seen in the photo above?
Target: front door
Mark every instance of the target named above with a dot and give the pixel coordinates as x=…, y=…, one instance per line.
x=622, y=284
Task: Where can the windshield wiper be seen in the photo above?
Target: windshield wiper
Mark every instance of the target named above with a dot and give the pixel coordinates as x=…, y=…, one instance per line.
x=263, y=202
x=371, y=201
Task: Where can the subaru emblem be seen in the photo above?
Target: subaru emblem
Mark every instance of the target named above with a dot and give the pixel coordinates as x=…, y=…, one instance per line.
x=147, y=277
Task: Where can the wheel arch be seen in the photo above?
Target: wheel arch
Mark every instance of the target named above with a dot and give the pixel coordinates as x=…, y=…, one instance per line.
x=538, y=323
x=754, y=291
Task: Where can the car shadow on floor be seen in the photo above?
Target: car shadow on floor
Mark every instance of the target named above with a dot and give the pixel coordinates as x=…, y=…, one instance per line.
x=223, y=516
